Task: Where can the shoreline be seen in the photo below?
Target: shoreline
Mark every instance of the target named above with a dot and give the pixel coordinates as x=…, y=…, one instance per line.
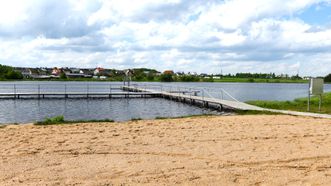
x=232, y=150
x=217, y=81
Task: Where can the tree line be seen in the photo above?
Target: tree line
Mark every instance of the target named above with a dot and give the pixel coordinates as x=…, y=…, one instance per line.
x=8, y=73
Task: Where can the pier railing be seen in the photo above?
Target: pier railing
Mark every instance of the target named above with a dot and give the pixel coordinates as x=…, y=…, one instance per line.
x=216, y=93
x=112, y=87
x=63, y=88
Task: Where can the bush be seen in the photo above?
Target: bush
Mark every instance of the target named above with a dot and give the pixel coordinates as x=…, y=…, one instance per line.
x=166, y=78
x=189, y=78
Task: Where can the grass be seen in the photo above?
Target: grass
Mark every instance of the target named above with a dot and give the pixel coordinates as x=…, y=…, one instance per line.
x=255, y=112
x=136, y=119
x=251, y=80
x=182, y=117
x=299, y=104
x=59, y=120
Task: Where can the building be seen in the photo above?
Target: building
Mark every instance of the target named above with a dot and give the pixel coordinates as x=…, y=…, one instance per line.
x=98, y=71
x=169, y=72
x=56, y=71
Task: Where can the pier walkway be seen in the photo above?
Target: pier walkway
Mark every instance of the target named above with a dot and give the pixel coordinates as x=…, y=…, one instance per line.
x=219, y=103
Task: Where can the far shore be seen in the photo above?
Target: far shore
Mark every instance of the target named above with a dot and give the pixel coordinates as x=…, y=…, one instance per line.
x=229, y=80
x=205, y=150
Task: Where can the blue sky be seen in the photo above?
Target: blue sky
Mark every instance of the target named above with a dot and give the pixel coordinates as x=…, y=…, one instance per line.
x=183, y=35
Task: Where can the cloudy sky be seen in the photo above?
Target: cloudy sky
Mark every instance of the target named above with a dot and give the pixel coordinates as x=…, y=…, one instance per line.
x=281, y=36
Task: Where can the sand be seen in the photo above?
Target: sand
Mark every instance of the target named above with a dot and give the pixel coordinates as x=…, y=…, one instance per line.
x=215, y=150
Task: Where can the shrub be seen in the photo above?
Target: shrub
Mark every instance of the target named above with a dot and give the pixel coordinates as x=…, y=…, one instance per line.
x=51, y=121
x=166, y=78
x=60, y=120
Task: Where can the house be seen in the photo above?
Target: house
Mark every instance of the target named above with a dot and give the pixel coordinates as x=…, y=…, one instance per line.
x=26, y=72
x=66, y=70
x=169, y=72
x=98, y=71
x=42, y=71
x=76, y=71
x=56, y=71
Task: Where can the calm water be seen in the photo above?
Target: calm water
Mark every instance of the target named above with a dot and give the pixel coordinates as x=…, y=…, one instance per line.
x=31, y=110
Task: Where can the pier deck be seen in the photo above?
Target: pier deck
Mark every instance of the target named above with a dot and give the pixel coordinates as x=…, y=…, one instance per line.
x=236, y=105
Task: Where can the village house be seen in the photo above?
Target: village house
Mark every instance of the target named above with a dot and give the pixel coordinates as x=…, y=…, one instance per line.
x=98, y=71
x=56, y=71
x=169, y=72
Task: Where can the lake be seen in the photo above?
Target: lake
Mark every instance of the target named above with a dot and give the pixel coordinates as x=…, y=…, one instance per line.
x=31, y=110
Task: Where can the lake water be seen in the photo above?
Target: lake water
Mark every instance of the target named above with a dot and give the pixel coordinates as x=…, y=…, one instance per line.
x=31, y=110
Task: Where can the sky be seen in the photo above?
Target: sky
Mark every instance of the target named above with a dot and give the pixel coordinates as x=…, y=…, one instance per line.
x=203, y=36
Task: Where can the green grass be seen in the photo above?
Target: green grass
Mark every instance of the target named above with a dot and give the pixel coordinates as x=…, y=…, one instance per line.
x=182, y=117
x=59, y=120
x=299, y=104
x=251, y=80
x=255, y=112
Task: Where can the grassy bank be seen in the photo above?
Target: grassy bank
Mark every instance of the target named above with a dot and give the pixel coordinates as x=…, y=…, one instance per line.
x=299, y=104
x=250, y=80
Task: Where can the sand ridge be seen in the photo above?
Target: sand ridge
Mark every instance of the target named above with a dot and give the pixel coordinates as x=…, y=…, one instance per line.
x=214, y=150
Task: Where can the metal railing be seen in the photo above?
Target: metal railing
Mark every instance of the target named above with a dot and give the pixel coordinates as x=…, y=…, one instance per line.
x=59, y=88
x=87, y=88
x=215, y=93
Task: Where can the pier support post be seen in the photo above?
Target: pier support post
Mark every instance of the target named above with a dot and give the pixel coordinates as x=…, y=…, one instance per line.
x=220, y=108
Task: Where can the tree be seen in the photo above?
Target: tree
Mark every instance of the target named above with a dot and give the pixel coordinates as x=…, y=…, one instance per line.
x=327, y=78
x=13, y=75
x=7, y=72
x=166, y=78
x=63, y=75
x=150, y=76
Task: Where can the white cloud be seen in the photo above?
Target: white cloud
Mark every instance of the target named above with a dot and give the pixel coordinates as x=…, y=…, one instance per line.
x=184, y=35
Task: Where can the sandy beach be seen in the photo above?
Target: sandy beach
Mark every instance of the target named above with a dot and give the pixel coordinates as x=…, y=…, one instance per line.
x=213, y=150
